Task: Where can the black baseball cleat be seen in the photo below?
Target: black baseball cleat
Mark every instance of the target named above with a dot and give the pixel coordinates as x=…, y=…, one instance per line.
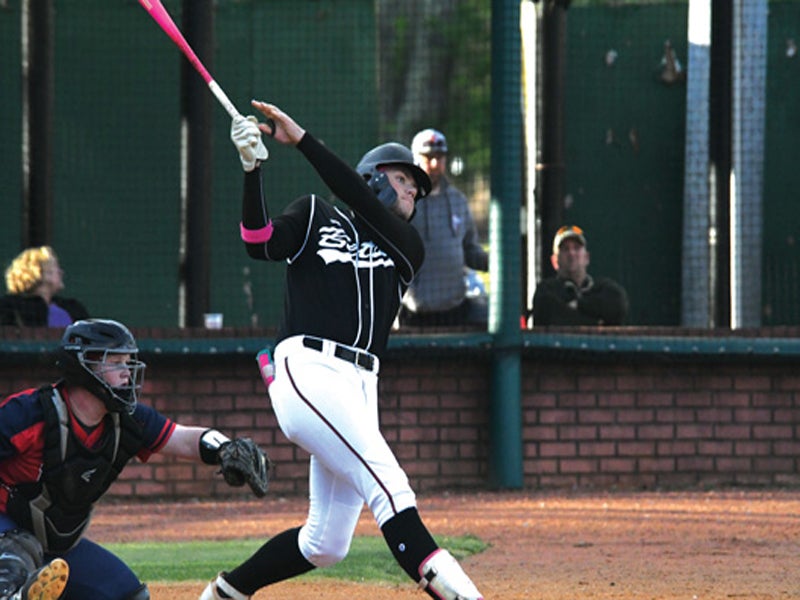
x=46, y=583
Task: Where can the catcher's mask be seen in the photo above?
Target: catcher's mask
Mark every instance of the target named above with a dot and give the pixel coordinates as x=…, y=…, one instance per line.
x=83, y=358
x=390, y=154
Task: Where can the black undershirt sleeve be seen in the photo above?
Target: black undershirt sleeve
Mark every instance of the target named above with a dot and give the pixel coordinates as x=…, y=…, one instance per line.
x=403, y=242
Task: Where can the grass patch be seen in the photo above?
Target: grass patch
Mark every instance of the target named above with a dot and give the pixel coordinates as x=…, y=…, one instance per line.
x=369, y=558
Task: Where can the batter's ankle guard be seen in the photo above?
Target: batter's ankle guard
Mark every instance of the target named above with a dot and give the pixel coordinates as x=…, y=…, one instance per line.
x=218, y=587
x=442, y=577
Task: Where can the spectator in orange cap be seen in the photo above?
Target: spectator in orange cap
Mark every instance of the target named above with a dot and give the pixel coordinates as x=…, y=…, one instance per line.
x=573, y=297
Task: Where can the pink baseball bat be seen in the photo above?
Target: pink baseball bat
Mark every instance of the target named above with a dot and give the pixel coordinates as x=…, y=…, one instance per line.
x=160, y=15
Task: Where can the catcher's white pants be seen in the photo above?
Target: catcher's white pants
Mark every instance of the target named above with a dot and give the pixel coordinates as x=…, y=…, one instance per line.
x=329, y=407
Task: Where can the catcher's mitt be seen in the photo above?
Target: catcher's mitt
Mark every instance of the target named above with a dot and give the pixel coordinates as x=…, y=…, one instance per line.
x=242, y=461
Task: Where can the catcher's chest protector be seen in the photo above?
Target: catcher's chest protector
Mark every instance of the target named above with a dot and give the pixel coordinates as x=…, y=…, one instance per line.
x=58, y=507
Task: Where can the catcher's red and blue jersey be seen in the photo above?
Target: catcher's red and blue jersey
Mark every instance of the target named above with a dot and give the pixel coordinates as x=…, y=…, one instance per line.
x=22, y=437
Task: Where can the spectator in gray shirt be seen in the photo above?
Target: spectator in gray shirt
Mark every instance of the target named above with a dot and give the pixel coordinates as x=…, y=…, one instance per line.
x=438, y=295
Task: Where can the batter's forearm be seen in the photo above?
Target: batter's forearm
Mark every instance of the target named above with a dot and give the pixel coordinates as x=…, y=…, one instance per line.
x=255, y=213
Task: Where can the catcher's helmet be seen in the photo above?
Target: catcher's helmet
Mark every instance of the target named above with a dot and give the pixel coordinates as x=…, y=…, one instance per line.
x=82, y=356
x=393, y=153
x=429, y=141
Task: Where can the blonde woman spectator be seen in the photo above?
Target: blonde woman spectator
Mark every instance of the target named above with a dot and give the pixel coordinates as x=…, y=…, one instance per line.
x=33, y=281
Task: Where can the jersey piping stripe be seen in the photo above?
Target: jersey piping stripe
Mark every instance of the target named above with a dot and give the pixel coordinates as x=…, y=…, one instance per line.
x=338, y=434
x=311, y=211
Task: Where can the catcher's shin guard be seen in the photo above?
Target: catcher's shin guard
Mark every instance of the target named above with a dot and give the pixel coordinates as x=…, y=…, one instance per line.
x=217, y=585
x=442, y=577
x=46, y=583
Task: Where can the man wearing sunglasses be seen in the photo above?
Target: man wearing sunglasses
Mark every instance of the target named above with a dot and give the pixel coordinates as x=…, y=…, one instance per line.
x=573, y=297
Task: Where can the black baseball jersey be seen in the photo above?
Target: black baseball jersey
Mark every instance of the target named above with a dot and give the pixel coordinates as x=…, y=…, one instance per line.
x=347, y=270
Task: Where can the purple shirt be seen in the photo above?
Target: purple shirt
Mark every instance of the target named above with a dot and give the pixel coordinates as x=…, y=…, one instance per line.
x=57, y=316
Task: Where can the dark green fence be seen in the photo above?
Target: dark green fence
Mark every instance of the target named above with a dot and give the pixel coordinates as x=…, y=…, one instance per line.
x=117, y=134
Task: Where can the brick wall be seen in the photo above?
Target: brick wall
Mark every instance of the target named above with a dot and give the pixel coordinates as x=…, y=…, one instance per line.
x=585, y=422
x=661, y=424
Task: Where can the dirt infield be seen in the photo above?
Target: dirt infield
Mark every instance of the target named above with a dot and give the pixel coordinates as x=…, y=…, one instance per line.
x=660, y=546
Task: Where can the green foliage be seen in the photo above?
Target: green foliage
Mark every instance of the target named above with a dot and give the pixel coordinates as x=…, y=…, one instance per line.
x=468, y=123
x=369, y=558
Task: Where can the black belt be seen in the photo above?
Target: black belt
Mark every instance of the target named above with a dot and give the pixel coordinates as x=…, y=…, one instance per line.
x=362, y=359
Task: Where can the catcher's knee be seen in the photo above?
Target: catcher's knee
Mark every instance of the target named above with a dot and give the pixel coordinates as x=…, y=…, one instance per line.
x=20, y=555
x=140, y=593
x=24, y=545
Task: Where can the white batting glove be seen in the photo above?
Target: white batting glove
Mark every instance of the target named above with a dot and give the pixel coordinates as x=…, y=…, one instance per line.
x=246, y=136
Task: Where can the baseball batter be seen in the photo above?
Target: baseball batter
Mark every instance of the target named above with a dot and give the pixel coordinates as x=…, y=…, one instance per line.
x=347, y=271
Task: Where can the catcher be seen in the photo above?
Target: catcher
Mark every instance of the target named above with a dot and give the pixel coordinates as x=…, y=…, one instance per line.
x=62, y=446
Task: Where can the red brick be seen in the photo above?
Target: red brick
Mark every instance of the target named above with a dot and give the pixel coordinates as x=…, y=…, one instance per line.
x=616, y=432
x=729, y=464
x=694, y=431
x=773, y=432
x=773, y=464
x=635, y=415
x=715, y=415
x=713, y=382
x=635, y=382
x=616, y=399
x=557, y=383
x=676, y=448
x=752, y=382
x=588, y=383
x=714, y=448
x=675, y=415
x=557, y=416
x=735, y=431
x=694, y=463
x=658, y=432
x=617, y=465
x=752, y=448
x=595, y=415
x=577, y=432
x=575, y=465
x=753, y=415
x=698, y=399
x=640, y=448
x=787, y=448
x=654, y=399
x=579, y=400
x=560, y=449
x=596, y=449
x=540, y=400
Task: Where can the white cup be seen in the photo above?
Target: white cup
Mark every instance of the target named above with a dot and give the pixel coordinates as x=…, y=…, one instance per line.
x=213, y=320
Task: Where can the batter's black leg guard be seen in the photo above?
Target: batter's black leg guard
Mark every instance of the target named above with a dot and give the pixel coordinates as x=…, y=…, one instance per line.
x=141, y=593
x=409, y=540
x=279, y=559
x=434, y=569
x=20, y=555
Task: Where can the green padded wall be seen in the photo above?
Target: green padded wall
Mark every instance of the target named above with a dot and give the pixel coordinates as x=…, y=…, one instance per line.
x=624, y=150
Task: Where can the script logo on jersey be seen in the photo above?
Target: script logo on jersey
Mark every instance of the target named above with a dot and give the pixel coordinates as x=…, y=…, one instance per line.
x=335, y=245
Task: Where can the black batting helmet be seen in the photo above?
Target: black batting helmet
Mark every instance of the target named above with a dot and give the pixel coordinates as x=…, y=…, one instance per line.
x=393, y=153
x=82, y=356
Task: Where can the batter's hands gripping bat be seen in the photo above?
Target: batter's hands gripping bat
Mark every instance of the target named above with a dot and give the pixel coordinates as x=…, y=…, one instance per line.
x=160, y=15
